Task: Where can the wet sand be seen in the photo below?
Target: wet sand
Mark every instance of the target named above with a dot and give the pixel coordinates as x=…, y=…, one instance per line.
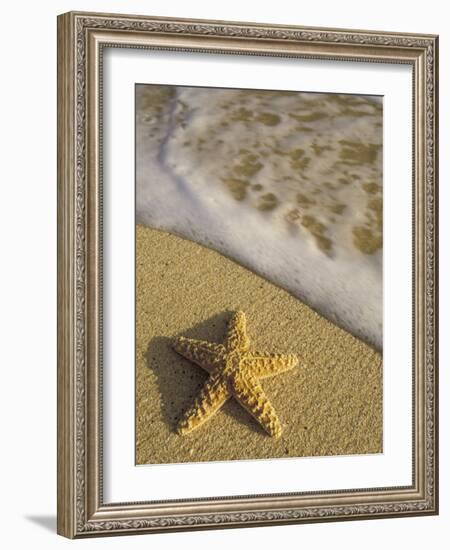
x=330, y=404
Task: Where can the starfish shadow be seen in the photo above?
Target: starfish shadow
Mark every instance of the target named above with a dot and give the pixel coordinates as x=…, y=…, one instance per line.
x=179, y=380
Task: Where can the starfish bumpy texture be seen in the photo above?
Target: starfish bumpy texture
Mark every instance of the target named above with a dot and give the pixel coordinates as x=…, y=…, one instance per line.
x=234, y=371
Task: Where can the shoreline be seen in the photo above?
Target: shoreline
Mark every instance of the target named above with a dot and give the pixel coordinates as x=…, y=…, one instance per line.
x=301, y=208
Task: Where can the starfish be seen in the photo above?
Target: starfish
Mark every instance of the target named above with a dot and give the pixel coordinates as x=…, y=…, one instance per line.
x=234, y=371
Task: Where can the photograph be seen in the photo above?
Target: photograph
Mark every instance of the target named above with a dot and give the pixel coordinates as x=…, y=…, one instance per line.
x=247, y=274
x=259, y=274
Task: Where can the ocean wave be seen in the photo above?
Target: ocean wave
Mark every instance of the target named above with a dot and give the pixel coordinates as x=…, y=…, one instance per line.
x=288, y=184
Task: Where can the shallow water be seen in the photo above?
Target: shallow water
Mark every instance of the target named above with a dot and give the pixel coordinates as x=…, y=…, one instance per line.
x=288, y=184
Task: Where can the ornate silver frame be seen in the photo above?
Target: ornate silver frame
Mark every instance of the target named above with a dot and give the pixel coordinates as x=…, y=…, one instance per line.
x=81, y=38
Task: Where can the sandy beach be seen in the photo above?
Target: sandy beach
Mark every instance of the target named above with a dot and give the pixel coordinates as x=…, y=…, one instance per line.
x=330, y=404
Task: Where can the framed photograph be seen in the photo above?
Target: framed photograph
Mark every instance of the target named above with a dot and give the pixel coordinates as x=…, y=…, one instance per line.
x=247, y=288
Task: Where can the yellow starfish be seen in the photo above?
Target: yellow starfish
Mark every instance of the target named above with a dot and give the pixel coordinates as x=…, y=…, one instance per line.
x=234, y=371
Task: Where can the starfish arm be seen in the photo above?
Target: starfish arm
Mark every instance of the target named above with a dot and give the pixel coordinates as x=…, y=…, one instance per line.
x=213, y=395
x=249, y=393
x=204, y=354
x=237, y=333
x=263, y=365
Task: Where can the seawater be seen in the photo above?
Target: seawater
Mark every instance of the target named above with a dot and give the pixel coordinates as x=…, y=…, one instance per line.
x=288, y=184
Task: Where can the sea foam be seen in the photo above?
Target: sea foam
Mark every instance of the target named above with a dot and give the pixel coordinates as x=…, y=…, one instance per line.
x=288, y=184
